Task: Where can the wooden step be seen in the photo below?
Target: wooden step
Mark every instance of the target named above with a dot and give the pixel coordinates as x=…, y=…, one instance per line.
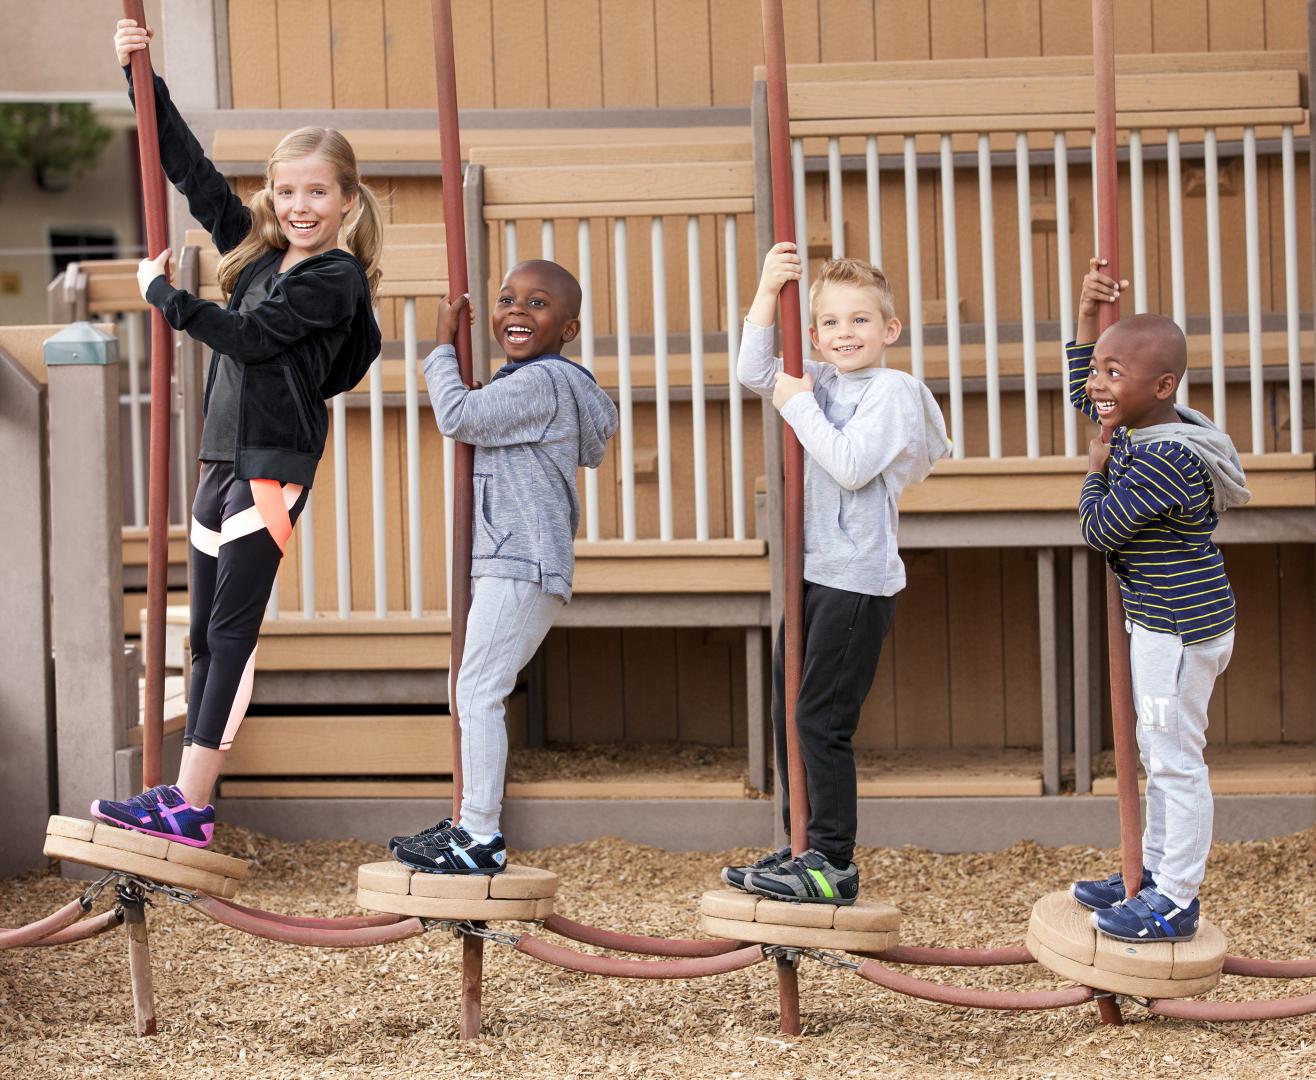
x=342, y=746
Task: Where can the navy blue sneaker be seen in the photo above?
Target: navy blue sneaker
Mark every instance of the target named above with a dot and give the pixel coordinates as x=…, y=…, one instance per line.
x=163, y=812
x=424, y=834
x=735, y=875
x=452, y=850
x=1099, y=895
x=1149, y=916
x=809, y=878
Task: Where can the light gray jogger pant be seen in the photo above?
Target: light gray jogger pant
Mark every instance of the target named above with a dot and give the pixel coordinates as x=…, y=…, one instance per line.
x=508, y=621
x=1172, y=685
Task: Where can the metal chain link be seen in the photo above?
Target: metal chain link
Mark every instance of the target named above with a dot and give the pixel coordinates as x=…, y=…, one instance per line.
x=93, y=891
x=828, y=959
x=502, y=937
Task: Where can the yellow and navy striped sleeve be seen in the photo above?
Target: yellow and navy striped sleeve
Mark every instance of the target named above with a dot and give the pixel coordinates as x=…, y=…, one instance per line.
x=1079, y=358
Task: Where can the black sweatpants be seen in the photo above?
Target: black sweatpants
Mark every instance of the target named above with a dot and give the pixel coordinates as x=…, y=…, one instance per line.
x=843, y=635
x=239, y=529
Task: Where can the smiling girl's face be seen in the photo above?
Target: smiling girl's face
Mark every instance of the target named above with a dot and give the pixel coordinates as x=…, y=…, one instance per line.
x=309, y=204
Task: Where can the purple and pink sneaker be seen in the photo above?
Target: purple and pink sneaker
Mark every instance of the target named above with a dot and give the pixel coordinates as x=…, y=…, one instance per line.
x=163, y=812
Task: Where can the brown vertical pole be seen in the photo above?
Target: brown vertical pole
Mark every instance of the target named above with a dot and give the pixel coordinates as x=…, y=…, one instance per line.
x=783, y=204
x=468, y=1026
x=139, y=960
x=157, y=503
x=1121, y=685
x=788, y=994
x=454, y=228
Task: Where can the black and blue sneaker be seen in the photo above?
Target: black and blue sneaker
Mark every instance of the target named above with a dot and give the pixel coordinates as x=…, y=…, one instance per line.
x=1149, y=916
x=1099, y=895
x=452, y=850
x=735, y=875
x=162, y=812
x=424, y=834
x=809, y=878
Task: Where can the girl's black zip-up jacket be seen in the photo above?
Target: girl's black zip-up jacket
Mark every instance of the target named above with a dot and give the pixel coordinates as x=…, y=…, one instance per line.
x=313, y=337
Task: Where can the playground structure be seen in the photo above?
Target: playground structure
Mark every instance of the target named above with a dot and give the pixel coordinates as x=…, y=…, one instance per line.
x=751, y=929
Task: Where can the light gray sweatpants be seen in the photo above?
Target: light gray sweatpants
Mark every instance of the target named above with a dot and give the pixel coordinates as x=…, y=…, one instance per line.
x=1172, y=685
x=508, y=620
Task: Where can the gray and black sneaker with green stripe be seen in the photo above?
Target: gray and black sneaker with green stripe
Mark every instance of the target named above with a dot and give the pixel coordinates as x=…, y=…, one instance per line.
x=809, y=878
x=735, y=875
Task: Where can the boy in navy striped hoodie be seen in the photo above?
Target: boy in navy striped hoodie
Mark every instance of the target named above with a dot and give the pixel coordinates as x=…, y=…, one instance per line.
x=1150, y=503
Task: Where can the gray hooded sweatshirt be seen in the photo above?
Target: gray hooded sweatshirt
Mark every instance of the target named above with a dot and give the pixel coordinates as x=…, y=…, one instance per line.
x=867, y=435
x=531, y=429
x=1199, y=436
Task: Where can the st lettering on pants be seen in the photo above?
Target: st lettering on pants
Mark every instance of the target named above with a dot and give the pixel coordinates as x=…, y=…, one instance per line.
x=508, y=620
x=1172, y=685
x=843, y=635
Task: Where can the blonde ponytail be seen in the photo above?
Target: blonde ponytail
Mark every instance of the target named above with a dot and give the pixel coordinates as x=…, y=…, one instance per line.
x=365, y=232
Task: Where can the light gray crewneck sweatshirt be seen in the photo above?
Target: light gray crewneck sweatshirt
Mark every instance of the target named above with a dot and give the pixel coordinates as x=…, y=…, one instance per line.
x=867, y=435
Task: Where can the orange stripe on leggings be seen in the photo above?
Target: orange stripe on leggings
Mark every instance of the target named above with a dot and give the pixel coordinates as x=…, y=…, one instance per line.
x=268, y=497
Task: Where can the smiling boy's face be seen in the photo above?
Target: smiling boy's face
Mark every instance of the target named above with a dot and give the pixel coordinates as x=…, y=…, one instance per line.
x=1136, y=368
x=850, y=328
x=536, y=310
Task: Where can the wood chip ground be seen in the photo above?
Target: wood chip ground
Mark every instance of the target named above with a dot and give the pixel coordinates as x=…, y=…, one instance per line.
x=235, y=1006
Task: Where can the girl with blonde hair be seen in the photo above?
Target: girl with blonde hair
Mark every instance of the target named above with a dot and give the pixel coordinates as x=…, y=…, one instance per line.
x=297, y=328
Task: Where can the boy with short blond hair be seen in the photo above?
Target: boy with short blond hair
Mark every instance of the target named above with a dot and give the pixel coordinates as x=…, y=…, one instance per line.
x=868, y=432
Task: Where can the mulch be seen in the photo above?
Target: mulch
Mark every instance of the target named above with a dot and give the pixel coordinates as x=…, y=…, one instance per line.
x=234, y=1006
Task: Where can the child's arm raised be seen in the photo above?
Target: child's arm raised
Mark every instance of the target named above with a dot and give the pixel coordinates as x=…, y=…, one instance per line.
x=756, y=366
x=208, y=196
x=1097, y=289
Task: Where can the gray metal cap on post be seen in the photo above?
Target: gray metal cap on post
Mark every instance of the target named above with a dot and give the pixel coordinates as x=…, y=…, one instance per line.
x=81, y=343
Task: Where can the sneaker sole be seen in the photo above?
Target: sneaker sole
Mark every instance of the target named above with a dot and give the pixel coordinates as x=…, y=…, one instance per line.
x=1140, y=940
x=174, y=838
x=477, y=872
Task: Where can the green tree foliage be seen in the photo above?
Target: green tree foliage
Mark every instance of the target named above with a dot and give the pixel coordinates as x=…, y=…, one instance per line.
x=55, y=142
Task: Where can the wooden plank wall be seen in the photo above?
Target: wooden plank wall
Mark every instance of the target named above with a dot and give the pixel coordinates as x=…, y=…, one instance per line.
x=373, y=54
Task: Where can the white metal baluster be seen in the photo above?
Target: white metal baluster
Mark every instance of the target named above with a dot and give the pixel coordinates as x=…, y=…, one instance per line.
x=835, y=207
x=1064, y=256
x=509, y=243
x=342, y=529
x=698, y=415
x=662, y=395
x=1256, y=386
x=986, y=228
x=1214, y=280
x=134, y=322
x=1291, y=292
x=734, y=399
x=951, y=255
x=1139, y=223
x=587, y=360
x=1026, y=309
x=306, y=527
x=548, y=240
x=449, y=510
x=410, y=351
x=801, y=238
x=874, y=176
x=914, y=258
x=377, y=501
x=624, y=380
x=1177, y=290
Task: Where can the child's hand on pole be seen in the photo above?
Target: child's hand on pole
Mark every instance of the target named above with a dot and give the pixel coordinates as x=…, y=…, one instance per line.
x=787, y=386
x=1098, y=289
x=782, y=264
x=150, y=269
x=450, y=313
x=130, y=38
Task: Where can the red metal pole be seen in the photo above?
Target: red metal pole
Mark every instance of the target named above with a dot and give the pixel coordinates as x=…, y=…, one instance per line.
x=157, y=504
x=454, y=227
x=783, y=214
x=1121, y=685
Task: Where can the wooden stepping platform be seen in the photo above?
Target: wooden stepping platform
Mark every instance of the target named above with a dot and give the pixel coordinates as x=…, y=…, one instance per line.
x=94, y=843
x=1062, y=939
x=864, y=926
x=519, y=892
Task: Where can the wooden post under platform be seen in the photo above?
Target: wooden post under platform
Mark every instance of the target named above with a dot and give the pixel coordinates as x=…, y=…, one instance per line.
x=472, y=979
x=139, y=958
x=788, y=993
x=1109, y=1007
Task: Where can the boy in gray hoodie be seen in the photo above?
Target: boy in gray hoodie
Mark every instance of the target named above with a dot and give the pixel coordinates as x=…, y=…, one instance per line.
x=540, y=418
x=868, y=432
x=1151, y=500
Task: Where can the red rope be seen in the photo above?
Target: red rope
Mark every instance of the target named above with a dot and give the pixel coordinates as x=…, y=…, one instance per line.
x=636, y=943
x=689, y=967
x=35, y=931
x=969, y=997
x=272, y=929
